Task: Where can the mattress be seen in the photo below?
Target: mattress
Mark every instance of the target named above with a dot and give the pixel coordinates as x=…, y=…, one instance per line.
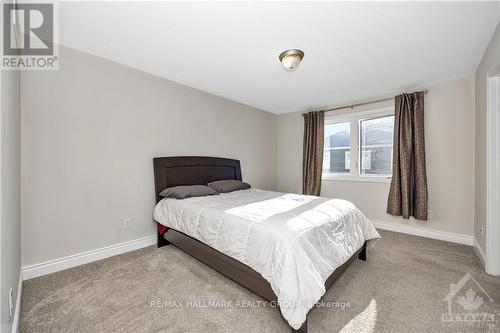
x=294, y=241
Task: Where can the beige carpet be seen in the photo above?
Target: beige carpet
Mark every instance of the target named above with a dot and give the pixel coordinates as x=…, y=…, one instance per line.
x=399, y=289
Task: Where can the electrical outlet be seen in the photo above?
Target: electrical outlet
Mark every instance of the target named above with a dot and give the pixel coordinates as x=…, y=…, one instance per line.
x=127, y=223
x=482, y=230
x=11, y=302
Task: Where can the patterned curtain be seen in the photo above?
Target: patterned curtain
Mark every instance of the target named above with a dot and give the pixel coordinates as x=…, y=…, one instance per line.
x=408, y=194
x=312, y=164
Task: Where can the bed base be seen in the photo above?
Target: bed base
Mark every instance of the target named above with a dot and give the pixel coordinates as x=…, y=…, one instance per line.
x=237, y=271
x=195, y=170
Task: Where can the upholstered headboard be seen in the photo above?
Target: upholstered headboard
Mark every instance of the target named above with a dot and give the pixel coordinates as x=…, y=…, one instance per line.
x=192, y=170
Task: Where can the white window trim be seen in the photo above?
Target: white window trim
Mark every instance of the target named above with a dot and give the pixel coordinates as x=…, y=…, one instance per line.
x=351, y=178
x=355, y=118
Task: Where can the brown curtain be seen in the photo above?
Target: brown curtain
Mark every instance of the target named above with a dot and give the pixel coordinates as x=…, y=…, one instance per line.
x=312, y=163
x=408, y=193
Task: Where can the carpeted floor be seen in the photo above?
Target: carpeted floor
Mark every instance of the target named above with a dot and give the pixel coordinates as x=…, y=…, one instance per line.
x=401, y=288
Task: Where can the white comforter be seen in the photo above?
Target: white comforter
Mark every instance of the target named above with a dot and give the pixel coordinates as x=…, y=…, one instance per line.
x=294, y=241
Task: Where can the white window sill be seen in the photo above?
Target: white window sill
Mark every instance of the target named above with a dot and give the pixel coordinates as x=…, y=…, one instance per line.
x=350, y=178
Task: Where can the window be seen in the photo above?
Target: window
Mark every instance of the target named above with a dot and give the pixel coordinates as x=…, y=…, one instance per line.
x=376, y=137
x=359, y=145
x=337, y=153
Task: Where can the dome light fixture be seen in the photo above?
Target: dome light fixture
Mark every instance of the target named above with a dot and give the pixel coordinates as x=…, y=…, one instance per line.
x=290, y=59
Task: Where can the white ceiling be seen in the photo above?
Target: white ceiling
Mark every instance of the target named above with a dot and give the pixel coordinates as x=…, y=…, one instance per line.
x=353, y=50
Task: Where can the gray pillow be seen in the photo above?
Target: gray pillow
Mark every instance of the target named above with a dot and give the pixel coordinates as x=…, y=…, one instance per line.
x=183, y=192
x=225, y=186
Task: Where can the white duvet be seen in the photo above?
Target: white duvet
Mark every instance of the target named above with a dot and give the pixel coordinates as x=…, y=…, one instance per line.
x=294, y=241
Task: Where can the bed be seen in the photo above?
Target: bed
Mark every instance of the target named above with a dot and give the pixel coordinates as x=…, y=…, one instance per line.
x=286, y=248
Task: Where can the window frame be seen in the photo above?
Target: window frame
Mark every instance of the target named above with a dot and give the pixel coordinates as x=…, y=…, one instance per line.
x=355, y=119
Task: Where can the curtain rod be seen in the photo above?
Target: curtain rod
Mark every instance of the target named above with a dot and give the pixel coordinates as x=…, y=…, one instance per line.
x=350, y=106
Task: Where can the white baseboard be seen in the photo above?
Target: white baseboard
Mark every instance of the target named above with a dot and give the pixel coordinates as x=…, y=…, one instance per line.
x=32, y=271
x=428, y=233
x=17, y=310
x=480, y=252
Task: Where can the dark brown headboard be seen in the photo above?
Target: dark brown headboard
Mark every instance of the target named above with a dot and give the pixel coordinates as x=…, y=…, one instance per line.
x=192, y=170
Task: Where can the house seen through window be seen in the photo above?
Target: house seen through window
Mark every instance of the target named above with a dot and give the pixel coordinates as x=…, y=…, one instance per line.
x=359, y=144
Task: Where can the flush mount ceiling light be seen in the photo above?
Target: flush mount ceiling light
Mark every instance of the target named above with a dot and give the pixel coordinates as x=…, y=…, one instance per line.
x=290, y=59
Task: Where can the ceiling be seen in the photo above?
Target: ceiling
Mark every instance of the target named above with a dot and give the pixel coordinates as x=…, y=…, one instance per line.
x=353, y=50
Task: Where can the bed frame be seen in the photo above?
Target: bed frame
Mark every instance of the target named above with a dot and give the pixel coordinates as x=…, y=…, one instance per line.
x=193, y=170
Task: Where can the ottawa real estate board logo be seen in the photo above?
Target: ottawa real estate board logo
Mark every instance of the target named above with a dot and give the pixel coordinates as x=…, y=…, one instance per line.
x=469, y=306
x=29, y=36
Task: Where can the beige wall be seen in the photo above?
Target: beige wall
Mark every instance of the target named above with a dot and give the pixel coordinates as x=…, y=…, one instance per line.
x=89, y=133
x=449, y=115
x=488, y=65
x=10, y=211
